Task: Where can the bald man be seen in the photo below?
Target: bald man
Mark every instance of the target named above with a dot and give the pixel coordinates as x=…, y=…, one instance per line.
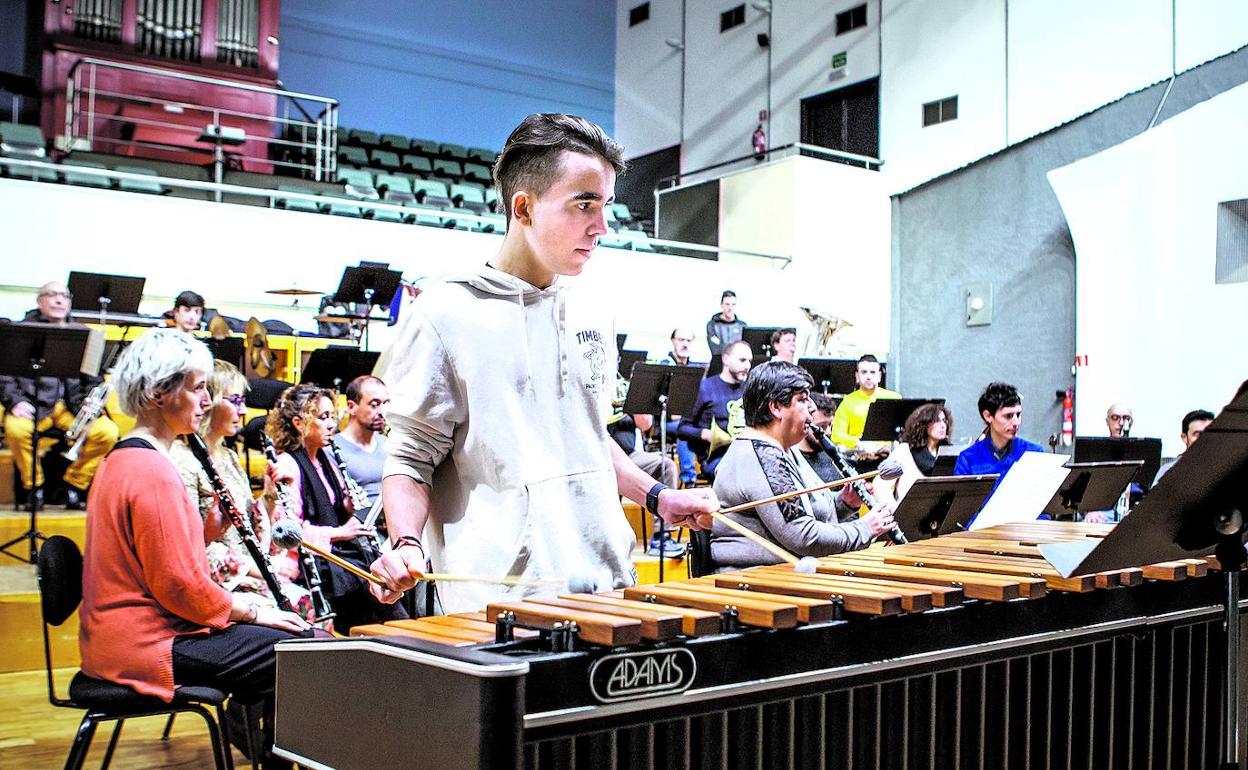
x=55, y=403
x=1118, y=419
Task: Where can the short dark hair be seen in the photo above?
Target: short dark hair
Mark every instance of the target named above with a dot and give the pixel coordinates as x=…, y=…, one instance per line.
x=732, y=346
x=188, y=298
x=867, y=359
x=355, y=386
x=778, y=333
x=823, y=402
x=915, y=431
x=531, y=157
x=773, y=382
x=1194, y=415
x=997, y=396
x=727, y=293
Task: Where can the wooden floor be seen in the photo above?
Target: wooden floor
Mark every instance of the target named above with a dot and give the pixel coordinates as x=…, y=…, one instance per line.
x=36, y=735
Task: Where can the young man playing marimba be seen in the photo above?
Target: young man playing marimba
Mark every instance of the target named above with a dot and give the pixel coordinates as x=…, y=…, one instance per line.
x=499, y=459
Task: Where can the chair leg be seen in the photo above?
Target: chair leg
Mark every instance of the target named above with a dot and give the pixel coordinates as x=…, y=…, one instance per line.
x=82, y=742
x=168, y=727
x=216, y=732
x=112, y=744
x=255, y=742
x=227, y=742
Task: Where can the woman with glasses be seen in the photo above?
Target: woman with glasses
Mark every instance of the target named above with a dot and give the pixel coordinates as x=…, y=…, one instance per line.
x=229, y=563
x=301, y=427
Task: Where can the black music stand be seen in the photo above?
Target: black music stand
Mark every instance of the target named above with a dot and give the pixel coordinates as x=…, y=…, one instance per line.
x=832, y=376
x=228, y=349
x=1091, y=487
x=104, y=293
x=628, y=358
x=662, y=389
x=759, y=338
x=1092, y=449
x=946, y=461
x=39, y=350
x=368, y=284
x=938, y=505
x=886, y=417
x=332, y=366
x=1199, y=505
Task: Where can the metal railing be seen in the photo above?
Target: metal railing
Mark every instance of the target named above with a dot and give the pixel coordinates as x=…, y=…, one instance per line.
x=313, y=143
x=772, y=155
x=634, y=240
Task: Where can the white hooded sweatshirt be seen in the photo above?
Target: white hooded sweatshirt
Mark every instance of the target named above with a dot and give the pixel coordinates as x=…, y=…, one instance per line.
x=500, y=397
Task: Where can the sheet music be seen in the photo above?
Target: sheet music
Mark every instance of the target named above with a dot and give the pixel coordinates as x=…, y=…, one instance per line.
x=1025, y=490
x=93, y=353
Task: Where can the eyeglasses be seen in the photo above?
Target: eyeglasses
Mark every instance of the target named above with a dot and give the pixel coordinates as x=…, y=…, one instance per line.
x=1119, y=417
x=65, y=294
x=682, y=339
x=236, y=400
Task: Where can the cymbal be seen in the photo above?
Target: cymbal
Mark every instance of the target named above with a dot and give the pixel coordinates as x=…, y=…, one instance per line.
x=293, y=292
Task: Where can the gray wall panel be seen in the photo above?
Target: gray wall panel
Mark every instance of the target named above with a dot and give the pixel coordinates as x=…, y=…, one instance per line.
x=998, y=221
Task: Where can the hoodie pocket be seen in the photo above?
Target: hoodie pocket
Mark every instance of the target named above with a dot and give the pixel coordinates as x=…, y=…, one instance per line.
x=575, y=531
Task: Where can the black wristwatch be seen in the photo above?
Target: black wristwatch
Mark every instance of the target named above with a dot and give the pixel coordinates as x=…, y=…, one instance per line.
x=652, y=497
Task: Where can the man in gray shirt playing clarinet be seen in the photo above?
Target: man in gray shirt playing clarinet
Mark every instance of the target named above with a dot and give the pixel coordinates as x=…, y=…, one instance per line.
x=362, y=441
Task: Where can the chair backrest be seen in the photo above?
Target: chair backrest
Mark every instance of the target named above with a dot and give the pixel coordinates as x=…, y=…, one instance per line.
x=700, y=554
x=59, y=573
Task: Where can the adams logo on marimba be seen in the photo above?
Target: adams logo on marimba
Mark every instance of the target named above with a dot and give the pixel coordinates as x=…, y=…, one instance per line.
x=630, y=675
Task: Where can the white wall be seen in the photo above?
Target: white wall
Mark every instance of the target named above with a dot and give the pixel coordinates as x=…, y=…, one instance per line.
x=726, y=74
x=1068, y=57
x=725, y=83
x=803, y=41
x=1065, y=58
x=835, y=221
x=933, y=51
x=231, y=254
x=647, y=78
x=1158, y=332
x=1207, y=29
x=1018, y=67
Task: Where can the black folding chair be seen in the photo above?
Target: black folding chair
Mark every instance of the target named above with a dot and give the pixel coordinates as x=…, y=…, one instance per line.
x=60, y=590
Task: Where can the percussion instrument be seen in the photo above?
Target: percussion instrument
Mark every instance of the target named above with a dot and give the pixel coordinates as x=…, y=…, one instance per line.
x=962, y=650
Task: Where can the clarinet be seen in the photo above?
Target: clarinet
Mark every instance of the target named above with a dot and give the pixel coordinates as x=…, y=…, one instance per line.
x=859, y=487
x=359, y=501
x=200, y=450
x=310, y=573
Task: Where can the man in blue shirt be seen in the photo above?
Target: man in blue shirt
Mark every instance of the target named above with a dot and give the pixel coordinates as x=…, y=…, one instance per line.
x=1001, y=408
x=719, y=401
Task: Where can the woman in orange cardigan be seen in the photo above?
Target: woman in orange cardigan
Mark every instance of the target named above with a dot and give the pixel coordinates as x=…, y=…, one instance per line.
x=152, y=618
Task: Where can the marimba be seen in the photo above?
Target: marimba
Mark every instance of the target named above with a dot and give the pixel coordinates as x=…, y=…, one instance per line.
x=966, y=650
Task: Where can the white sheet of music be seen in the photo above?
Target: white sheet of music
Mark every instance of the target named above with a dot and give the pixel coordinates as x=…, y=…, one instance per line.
x=1025, y=490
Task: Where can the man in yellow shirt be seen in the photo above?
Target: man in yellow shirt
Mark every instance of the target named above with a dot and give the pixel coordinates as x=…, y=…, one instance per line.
x=851, y=415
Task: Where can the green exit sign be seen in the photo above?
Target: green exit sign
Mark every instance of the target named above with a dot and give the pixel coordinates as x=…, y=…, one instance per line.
x=840, y=60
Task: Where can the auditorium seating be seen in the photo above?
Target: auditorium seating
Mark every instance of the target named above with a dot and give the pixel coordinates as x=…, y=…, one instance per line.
x=443, y=184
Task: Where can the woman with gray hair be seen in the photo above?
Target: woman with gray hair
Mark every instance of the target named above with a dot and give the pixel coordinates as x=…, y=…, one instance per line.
x=763, y=461
x=152, y=618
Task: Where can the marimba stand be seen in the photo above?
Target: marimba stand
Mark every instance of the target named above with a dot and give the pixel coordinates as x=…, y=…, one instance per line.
x=1199, y=504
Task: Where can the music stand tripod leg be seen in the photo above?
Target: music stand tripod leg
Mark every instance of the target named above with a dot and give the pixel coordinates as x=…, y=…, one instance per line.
x=32, y=533
x=1231, y=557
